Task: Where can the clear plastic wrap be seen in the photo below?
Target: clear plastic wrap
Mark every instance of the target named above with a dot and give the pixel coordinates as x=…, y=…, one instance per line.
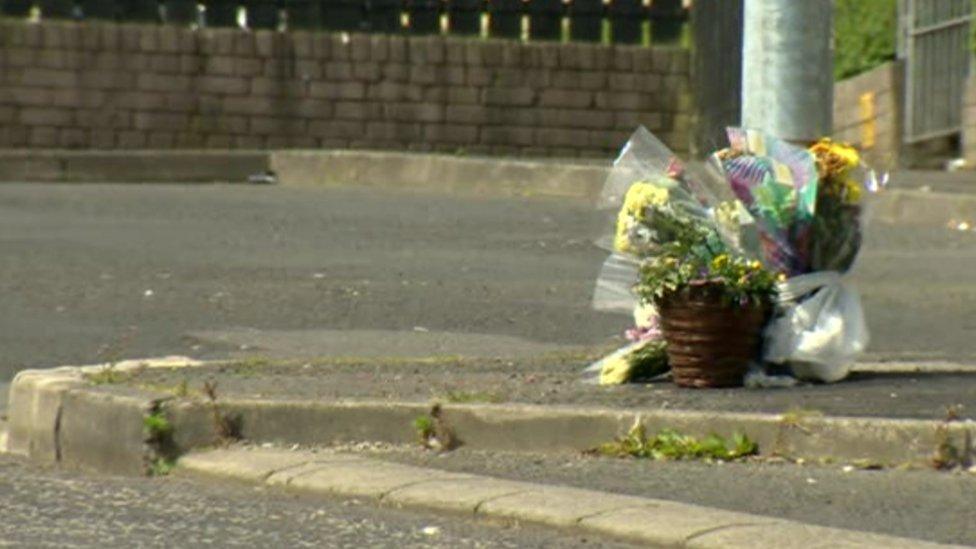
x=696, y=192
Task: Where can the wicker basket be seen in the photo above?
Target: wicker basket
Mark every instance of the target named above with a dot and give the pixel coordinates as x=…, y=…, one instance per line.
x=710, y=342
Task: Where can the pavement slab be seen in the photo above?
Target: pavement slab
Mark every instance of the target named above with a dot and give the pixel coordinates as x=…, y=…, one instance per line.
x=653, y=522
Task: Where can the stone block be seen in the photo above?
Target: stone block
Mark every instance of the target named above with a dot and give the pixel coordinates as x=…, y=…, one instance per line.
x=343, y=129
x=425, y=74
x=223, y=85
x=522, y=96
x=394, y=131
x=359, y=48
x=414, y=112
x=338, y=90
x=78, y=98
x=51, y=78
x=575, y=118
x=451, y=133
x=43, y=137
x=565, y=98
x=339, y=70
x=507, y=135
x=367, y=72
x=73, y=138
x=131, y=139
x=623, y=101
x=36, y=116
x=620, y=81
x=268, y=125
x=154, y=121
x=561, y=137
x=164, y=83
x=479, y=76
x=556, y=505
x=467, y=114
x=356, y=110
x=103, y=138
x=623, y=58
x=379, y=48
x=463, y=96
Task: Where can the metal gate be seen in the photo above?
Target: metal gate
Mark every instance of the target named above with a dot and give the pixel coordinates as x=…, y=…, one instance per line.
x=934, y=43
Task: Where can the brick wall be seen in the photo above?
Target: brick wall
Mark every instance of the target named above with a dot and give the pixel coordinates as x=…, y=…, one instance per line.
x=139, y=86
x=867, y=114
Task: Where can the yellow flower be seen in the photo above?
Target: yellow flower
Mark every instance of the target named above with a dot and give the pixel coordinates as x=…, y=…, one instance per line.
x=616, y=370
x=720, y=261
x=641, y=195
x=756, y=265
x=834, y=159
x=781, y=277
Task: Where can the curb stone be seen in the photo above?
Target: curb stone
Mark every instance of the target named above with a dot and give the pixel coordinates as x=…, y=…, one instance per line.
x=658, y=523
x=57, y=416
x=487, y=176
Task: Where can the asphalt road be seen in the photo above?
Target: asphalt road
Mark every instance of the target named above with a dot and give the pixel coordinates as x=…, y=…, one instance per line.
x=101, y=272
x=44, y=508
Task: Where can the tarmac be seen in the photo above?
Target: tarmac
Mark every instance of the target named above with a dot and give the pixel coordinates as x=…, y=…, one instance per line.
x=890, y=414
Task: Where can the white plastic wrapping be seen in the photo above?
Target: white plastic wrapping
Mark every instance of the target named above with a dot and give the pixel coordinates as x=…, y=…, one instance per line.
x=821, y=330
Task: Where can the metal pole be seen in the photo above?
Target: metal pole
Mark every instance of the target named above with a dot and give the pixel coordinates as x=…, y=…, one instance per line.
x=787, y=68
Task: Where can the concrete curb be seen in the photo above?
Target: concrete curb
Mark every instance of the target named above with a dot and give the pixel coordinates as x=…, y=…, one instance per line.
x=437, y=172
x=655, y=522
x=63, y=166
x=57, y=416
x=482, y=176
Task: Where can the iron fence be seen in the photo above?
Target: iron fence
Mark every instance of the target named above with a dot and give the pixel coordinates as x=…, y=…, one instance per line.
x=607, y=21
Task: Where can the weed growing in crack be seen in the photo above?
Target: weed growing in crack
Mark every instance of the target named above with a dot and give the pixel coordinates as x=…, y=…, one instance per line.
x=672, y=445
x=948, y=454
x=158, y=435
x=107, y=375
x=227, y=428
x=161, y=467
x=156, y=427
x=434, y=432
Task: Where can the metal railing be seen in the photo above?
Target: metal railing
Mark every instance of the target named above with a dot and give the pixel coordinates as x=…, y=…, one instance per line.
x=607, y=21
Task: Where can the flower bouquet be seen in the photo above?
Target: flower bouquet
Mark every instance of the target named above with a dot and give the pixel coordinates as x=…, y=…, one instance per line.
x=709, y=302
x=807, y=204
x=712, y=252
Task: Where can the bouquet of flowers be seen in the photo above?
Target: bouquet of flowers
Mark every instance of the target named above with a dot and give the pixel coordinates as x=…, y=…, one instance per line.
x=681, y=242
x=808, y=207
x=772, y=221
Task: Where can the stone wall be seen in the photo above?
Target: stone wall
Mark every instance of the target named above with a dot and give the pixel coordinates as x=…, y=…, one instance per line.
x=101, y=86
x=867, y=114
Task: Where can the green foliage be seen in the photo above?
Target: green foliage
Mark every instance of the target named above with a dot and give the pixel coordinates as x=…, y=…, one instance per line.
x=672, y=445
x=741, y=281
x=424, y=426
x=161, y=467
x=156, y=426
x=865, y=33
